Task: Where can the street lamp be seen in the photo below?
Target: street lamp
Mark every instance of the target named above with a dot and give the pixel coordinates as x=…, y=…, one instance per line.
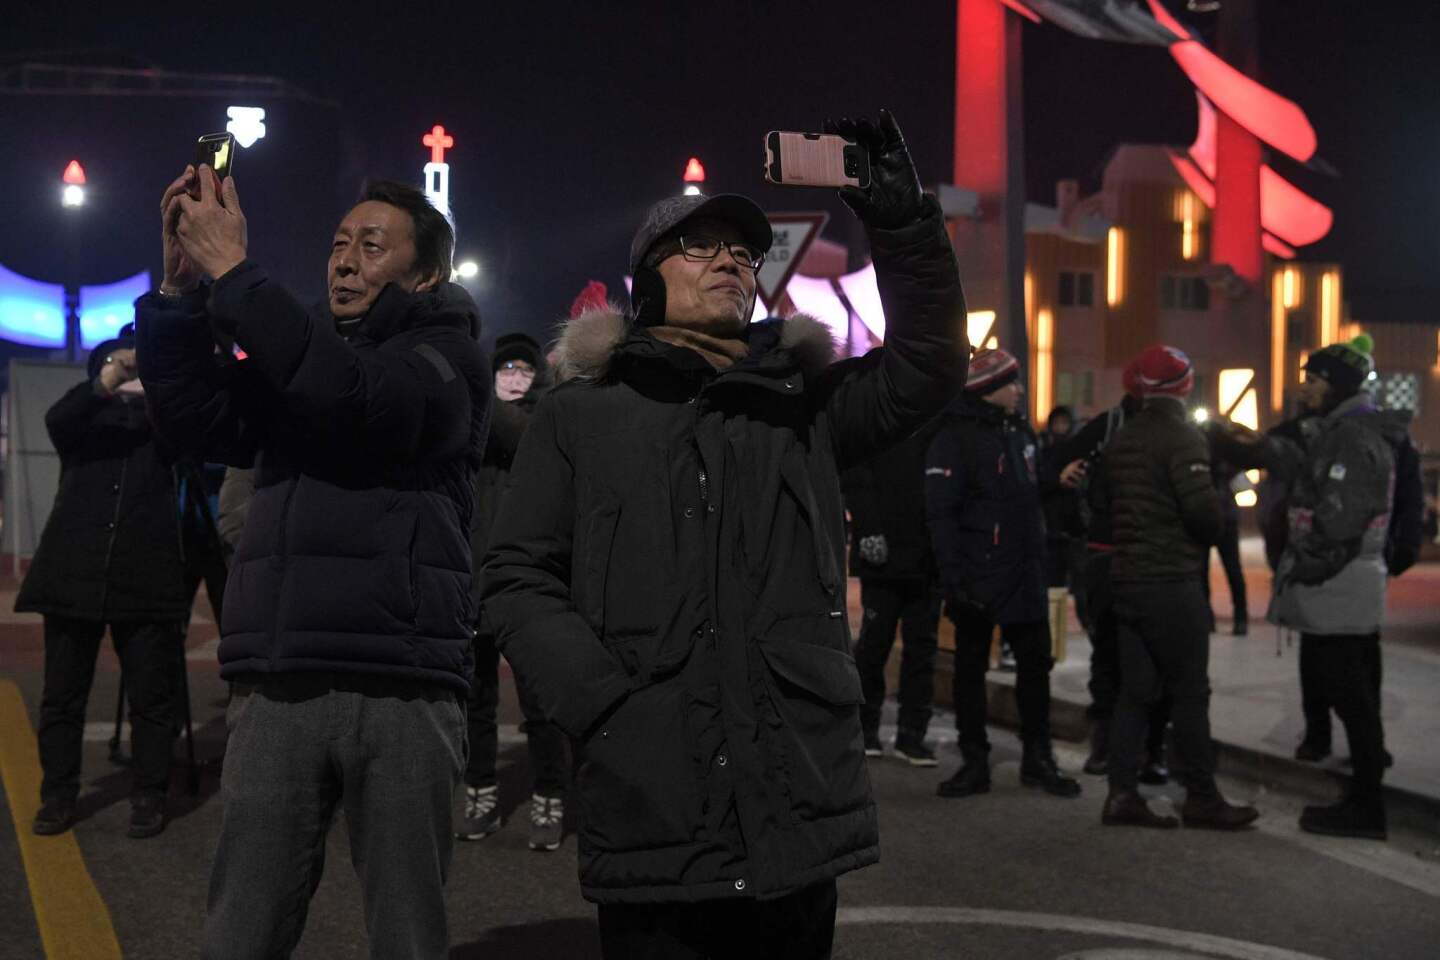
x=73, y=193
x=694, y=177
x=467, y=270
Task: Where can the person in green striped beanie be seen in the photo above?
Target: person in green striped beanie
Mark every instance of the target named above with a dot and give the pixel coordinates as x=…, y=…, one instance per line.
x=1331, y=580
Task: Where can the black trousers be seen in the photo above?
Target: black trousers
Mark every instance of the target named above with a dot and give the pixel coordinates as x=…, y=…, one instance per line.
x=1030, y=642
x=1164, y=645
x=915, y=607
x=149, y=658
x=205, y=561
x=1104, y=682
x=800, y=926
x=1313, y=701
x=1229, y=550
x=1345, y=669
x=546, y=741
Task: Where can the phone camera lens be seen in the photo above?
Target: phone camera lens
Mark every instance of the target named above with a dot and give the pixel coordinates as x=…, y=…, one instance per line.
x=851, y=167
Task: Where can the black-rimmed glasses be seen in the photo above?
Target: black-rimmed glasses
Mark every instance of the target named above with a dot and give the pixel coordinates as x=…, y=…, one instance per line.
x=701, y=247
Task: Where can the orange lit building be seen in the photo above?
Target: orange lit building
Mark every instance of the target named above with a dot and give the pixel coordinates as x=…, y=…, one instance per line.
x=1108, y=274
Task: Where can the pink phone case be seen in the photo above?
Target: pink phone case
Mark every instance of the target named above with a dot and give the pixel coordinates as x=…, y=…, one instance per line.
x=815, y=160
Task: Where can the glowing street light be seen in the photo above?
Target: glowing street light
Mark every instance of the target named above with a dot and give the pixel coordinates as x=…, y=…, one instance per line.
x=73, y=194
x=694, y=177
x=467, y=270
x=246, y=124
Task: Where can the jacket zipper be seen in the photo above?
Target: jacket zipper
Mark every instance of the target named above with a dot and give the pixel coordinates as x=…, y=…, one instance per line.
x=114, y=531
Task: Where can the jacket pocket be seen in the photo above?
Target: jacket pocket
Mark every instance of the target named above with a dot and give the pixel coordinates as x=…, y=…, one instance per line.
x=812, y=736
x=637, y=781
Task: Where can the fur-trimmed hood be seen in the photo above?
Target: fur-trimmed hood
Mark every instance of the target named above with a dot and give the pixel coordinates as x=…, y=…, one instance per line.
x=589, y=342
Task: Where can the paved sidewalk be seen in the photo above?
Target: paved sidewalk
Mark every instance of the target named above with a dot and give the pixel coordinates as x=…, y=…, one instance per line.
x=1255, y=703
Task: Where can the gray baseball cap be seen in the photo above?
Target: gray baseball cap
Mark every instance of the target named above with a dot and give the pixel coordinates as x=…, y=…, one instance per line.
x=672, y=211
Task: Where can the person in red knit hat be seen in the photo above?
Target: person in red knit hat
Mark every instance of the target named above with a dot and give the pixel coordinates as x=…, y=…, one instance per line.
x=1166, y=514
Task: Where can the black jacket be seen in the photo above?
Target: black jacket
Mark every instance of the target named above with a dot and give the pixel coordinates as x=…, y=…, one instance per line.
x=111, y=547
x=1165, y=512
x=886, y=497
x=667, y=578
x=982, y=496
x=508, y=421
x=355, y=555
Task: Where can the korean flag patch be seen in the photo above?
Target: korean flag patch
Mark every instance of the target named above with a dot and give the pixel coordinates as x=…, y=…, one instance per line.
x=1337, y=471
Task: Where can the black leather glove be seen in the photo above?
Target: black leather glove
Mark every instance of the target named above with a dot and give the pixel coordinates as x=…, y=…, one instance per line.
x=894, y=198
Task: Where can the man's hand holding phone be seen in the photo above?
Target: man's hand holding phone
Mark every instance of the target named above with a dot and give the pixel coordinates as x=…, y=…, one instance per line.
x=894, y=198
x=181, y=274
x=205, y=237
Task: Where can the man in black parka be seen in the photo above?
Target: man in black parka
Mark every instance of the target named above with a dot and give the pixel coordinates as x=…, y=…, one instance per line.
x=110, y=554
x=982, y=495
x=348, y=618
x=668, y=572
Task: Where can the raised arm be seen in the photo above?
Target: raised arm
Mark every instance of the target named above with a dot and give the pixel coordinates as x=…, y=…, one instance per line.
x=1189, y=469
x=878, y=401
x=187, y=386
x=412, y=394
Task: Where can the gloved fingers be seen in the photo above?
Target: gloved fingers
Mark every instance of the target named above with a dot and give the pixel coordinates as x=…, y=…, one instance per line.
x=890, y=130
x=841, y=126
x=856, y=199
x=867, y=134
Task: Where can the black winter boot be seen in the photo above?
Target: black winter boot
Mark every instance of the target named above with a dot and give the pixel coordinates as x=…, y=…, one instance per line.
x=1210, y=811
x=1038, y=769
x=972, y=777
x=1349, y=818
x=1098, y=763
x=1126, y=808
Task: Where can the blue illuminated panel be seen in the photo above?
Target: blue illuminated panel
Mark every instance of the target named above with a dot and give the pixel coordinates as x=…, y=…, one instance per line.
x=105, y=309
x=31, y=312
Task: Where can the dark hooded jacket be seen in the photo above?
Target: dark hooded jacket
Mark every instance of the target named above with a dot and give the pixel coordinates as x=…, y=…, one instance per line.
x=982, y=495
x=111, y=546
x=355, y=556
x=668, y=578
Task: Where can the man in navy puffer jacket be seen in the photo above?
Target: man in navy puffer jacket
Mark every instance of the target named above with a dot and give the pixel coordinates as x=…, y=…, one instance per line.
x=347, y=622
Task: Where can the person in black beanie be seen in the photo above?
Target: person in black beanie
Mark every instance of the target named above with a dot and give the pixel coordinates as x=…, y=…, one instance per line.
x=1331, y=581
x=110, y=555
x=519, y=383
x=982, y=497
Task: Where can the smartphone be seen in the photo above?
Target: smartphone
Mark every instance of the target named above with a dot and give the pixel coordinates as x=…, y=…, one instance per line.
x=217, y=151
x=815, y=160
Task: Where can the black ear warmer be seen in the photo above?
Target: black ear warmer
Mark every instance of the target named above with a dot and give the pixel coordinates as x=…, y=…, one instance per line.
x=647, y=297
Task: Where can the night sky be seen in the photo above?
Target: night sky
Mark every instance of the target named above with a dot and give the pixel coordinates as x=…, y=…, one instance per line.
x=570, y=118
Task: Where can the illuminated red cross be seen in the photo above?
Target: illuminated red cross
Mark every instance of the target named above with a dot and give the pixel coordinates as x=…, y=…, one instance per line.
x=438, y=141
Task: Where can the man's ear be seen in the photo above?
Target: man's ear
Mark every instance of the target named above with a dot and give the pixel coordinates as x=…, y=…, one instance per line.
x=427, y=281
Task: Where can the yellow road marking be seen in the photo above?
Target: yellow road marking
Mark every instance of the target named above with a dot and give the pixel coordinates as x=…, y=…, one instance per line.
x=74, y=922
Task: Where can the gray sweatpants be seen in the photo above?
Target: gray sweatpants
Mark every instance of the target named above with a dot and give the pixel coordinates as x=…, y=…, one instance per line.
x=392, y=752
